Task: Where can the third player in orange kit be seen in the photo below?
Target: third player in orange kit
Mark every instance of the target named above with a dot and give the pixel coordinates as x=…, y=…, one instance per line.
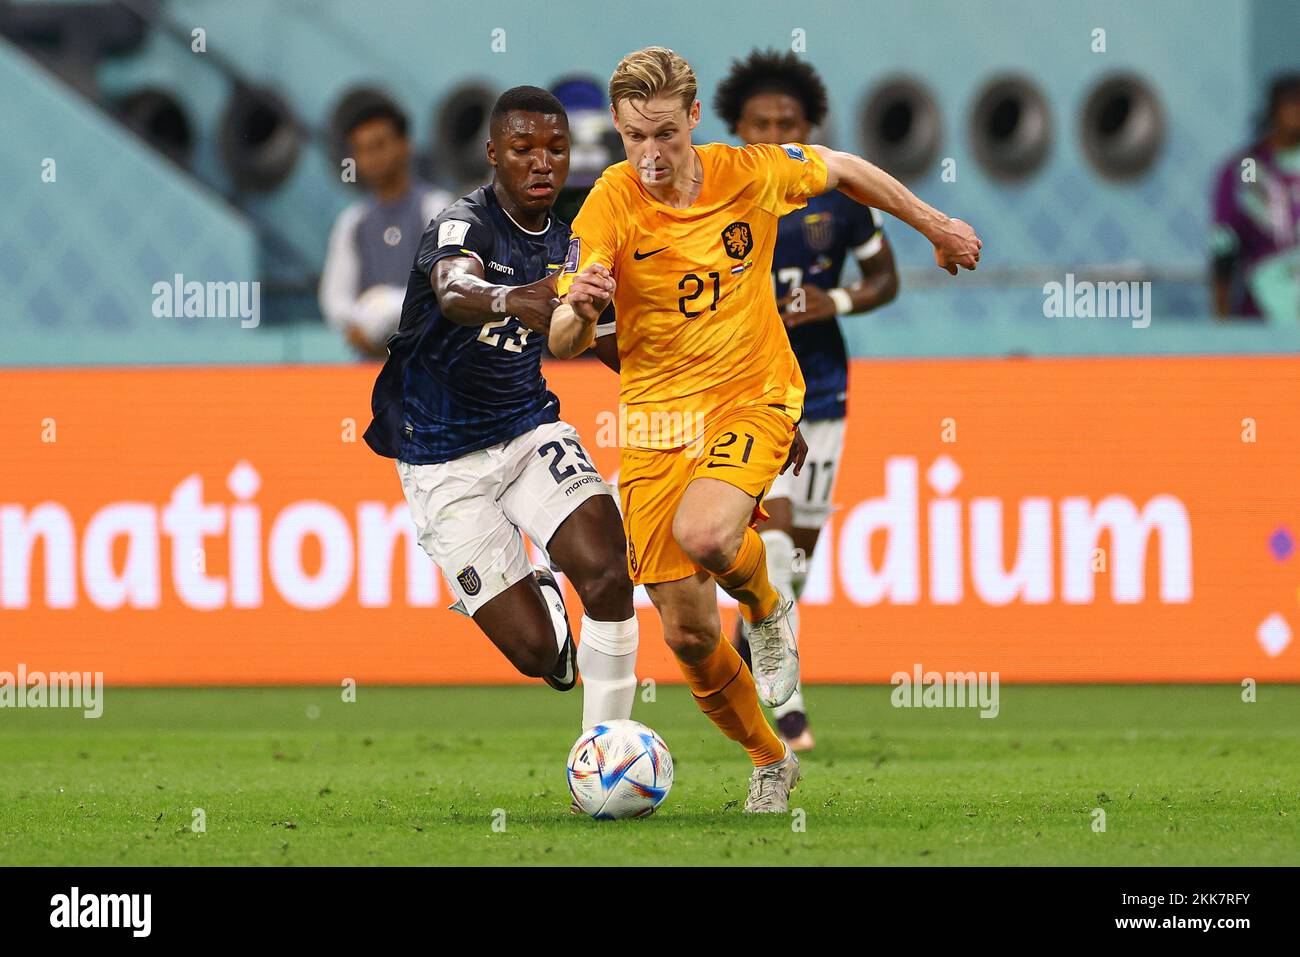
x=681, y=238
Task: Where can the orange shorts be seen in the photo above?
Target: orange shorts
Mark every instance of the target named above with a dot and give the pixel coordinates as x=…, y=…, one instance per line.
x=744, y=447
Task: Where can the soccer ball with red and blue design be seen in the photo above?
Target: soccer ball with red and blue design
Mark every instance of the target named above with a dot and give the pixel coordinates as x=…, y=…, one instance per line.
x=619, y=769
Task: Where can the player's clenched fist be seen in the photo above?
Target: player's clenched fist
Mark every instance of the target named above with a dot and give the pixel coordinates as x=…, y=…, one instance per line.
x=955, y=244
x=591, y=292
x=532, y=304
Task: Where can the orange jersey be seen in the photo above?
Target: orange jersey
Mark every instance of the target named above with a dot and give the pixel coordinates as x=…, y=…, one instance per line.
x=697, y=323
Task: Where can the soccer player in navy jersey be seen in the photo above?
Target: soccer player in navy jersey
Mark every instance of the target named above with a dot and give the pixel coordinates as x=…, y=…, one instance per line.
x=777, y=98
x=482, y=453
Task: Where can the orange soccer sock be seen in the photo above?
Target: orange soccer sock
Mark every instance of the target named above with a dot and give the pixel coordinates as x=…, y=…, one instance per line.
x=724, y=690
x=746, y=580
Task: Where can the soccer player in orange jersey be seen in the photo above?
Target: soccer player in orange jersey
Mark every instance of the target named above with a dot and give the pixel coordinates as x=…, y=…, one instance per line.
x=680, y=238
x=774, y=97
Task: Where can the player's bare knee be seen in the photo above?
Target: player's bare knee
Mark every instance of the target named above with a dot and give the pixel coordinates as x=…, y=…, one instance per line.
x=709, y=546
x=606, y=591
x=691, y=643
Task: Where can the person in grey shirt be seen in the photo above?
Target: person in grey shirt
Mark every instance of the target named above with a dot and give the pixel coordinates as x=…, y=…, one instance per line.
x=374, y=241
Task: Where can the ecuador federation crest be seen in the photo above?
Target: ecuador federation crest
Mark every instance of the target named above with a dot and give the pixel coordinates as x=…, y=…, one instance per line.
x=469, y=580
x=737, y=240
x=818, y=231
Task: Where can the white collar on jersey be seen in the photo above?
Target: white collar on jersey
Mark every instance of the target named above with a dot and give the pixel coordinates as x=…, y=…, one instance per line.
x=540, y=232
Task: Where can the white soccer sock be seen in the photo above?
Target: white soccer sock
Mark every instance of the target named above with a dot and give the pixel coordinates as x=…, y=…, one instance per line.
x=780, y=571
x=799, y=579
x=607, y=663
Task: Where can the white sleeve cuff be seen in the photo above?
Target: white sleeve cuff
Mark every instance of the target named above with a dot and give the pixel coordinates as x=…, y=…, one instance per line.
x=843, y=301
x=870, y=247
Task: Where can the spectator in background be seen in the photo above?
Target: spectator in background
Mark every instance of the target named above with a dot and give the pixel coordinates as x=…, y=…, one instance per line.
x=1256, y=239
x=374, y=241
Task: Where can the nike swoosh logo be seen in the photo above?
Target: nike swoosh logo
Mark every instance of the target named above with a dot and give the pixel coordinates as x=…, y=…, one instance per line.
x=721, y=465
x=640, y=255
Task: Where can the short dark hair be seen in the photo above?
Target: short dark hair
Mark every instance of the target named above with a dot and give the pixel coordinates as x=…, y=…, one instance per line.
x=528, y=99
x=1283, y=87
x=768, y=71
x=378, y=111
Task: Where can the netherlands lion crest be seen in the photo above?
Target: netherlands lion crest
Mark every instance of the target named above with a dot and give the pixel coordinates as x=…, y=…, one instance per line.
x=469, y=580
x=737, y=240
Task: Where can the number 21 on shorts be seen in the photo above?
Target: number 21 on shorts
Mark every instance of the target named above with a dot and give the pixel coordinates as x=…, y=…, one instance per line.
x=723, y=454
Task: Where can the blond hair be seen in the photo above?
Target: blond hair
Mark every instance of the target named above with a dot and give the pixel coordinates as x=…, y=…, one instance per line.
x=653, y=72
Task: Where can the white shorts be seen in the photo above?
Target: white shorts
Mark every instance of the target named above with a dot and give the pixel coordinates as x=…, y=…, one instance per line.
x=470, y=512
x=810, y=492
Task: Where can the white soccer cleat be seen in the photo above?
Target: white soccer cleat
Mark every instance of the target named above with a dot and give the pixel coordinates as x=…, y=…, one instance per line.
x=770, y=785
x=774, y=652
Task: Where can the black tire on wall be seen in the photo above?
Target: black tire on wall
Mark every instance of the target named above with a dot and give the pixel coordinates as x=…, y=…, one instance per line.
x=260, y=139
x=161, y=120
x=460, y=130
x=1122, y=126
x=901, y=127
x=1010, y=127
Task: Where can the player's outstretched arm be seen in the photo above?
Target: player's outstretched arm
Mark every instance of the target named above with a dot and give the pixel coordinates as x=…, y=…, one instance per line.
x=467, y=299
x=571, y=334
x=573, y=325
x=955, y=243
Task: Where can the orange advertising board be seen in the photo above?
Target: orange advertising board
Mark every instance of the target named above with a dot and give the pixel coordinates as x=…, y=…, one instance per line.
x=1050, y=520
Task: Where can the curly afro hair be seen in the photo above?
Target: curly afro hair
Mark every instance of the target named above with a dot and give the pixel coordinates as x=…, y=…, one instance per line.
x=768, y=71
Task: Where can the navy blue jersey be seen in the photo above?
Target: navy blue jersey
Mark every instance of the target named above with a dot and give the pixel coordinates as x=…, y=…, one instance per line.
x=811, y=246
x=447, y=389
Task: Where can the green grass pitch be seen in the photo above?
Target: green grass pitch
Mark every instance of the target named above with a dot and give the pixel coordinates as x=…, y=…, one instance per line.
x=1185, y=775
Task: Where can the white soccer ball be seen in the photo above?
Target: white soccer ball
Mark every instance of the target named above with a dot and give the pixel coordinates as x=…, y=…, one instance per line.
x=619, y=769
